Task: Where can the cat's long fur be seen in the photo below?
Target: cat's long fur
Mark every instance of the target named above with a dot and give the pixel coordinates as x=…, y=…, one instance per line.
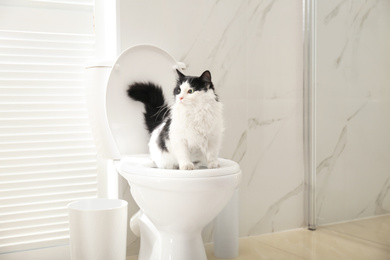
x=187, y=131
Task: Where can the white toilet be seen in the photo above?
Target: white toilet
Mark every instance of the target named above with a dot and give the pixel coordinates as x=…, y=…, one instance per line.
x=175, y=205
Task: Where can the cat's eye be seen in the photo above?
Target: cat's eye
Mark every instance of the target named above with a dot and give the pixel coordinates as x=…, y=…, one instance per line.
x=190, y=91
x=178, y=90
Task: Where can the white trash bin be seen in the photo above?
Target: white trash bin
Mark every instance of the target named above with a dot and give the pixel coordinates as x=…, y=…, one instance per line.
x=98, y=229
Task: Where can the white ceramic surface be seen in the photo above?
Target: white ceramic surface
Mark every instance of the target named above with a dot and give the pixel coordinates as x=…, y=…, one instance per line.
x=96, y=78
x=141, y=164
x=174, y=208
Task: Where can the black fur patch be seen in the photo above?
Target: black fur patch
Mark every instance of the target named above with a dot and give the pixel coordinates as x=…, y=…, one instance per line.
x=152, y=96
x=164, y=135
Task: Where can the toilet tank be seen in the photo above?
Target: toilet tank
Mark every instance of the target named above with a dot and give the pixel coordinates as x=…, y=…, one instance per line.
x=96, y=78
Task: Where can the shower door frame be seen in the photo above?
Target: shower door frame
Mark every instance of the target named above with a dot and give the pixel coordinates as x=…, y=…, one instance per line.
x=309, y=109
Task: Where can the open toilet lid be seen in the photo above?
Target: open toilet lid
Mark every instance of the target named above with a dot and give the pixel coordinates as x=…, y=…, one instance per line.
x=142, y=164
x=142, y=63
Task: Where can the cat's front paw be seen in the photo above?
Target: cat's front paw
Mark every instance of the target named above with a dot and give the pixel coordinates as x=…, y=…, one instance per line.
x=186, y=166
x=213, y=164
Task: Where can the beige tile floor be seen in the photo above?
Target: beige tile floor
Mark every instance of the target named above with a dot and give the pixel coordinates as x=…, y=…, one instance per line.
x=367, y=239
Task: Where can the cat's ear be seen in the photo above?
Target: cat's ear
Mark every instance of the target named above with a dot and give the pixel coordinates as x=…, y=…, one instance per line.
x=206, y=76
x=181, y=75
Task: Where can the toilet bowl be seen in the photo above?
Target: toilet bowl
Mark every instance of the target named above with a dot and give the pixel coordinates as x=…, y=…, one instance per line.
x=175, y=205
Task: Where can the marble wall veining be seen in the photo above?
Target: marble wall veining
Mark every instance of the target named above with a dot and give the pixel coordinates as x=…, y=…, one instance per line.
x=353, y=108
x=253, y=49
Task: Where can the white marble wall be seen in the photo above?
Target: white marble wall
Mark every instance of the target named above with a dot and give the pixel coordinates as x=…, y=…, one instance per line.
x=353, y=109
x=254, y=51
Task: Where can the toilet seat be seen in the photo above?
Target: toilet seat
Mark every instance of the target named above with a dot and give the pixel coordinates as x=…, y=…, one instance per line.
x=142, y=165
x=141, y=63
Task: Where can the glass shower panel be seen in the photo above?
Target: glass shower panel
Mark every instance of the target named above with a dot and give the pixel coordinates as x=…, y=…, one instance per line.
x=352, y=109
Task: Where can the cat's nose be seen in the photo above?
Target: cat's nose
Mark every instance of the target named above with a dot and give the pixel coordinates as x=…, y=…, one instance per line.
x=181, y=98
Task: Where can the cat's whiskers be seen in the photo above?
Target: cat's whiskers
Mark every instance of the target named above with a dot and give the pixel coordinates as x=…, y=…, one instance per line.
x=160, y=110
x=168, y=108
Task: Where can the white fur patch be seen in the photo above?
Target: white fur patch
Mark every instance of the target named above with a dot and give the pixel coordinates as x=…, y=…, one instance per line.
x=162, y=159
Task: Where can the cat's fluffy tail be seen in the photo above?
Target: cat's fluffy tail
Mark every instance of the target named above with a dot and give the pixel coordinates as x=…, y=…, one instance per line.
x=152, y=96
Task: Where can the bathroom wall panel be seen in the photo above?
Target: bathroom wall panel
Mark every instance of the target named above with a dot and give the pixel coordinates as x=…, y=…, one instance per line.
x=254, y=52
x=353, y=96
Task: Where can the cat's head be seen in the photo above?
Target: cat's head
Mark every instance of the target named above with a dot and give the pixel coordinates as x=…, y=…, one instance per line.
x=189, y=88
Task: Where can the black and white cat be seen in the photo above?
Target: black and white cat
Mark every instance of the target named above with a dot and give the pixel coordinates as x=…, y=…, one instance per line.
x=187, y=132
